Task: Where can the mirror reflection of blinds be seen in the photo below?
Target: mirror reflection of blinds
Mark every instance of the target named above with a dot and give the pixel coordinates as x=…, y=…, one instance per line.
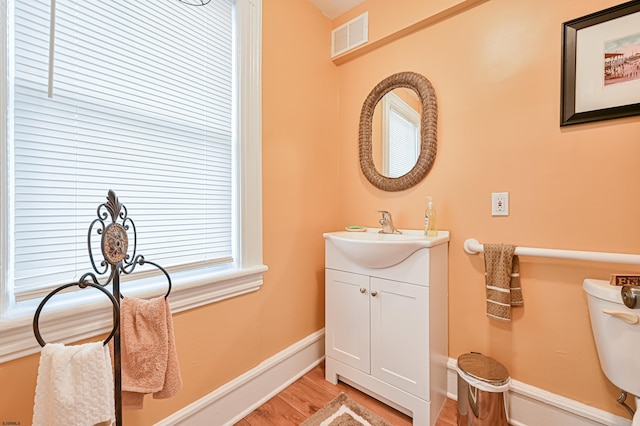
x=401, y=146
x=142, y=104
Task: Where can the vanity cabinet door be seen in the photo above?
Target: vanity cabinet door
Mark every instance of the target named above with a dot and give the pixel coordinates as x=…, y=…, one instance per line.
x=347, y=318
x=400, y=335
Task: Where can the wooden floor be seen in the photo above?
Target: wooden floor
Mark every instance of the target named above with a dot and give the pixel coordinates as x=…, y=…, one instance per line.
x=311, y=392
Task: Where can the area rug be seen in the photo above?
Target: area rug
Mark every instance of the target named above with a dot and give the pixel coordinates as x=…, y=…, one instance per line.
x=343, y=411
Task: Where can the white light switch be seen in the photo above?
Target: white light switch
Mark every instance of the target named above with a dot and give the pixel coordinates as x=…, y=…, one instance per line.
x=500, y=204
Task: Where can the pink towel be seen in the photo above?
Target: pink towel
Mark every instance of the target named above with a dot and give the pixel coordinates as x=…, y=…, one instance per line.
x=148, y=355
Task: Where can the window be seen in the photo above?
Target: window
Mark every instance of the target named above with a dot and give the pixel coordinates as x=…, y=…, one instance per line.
x=401, y=134
x=145, y=99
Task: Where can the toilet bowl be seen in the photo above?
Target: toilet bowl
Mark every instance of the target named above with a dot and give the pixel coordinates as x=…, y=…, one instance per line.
x=616, y=331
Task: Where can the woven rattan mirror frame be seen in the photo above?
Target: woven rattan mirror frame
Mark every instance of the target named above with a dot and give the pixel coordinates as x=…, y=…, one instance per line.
x=428, y=123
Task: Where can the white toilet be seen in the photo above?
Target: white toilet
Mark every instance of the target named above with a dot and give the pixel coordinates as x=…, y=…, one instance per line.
x=616, y=330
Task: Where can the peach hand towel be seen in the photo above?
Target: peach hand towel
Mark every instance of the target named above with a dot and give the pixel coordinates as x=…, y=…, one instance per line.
x=502, y=277
x=148, y=355
x=172, y=377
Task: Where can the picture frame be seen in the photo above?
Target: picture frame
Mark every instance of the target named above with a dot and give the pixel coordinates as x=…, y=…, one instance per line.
x=601, y=65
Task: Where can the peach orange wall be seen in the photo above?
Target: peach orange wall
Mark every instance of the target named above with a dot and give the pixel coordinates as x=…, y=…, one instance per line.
x=218, y=342
x=496, y=72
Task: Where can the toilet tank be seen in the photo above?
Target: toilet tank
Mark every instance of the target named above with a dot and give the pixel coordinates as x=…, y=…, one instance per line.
x=617, y=341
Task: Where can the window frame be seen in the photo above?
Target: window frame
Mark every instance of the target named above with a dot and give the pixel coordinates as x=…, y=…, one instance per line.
x=191, y=288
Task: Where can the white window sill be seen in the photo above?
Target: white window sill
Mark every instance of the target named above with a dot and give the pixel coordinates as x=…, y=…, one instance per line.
x=71, y=319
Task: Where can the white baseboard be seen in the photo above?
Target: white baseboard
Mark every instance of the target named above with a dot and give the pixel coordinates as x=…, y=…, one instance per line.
x=531, y=406
x=234, y=400
x=528, y=405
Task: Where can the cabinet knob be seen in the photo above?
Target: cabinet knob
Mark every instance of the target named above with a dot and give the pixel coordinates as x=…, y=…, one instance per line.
x=374, y=293
x=363, y=290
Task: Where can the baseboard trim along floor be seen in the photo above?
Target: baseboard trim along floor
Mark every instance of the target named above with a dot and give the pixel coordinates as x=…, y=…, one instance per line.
x=527, y=405
x=232, y=401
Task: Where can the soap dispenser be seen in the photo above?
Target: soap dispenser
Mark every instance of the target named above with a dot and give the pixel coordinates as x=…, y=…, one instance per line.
x=430, y=227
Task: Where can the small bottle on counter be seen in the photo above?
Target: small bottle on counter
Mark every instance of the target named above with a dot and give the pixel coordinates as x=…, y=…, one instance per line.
x=430, y=227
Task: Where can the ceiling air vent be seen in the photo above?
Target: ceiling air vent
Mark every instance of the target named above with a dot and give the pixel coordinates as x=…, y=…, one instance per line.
x=350, y=35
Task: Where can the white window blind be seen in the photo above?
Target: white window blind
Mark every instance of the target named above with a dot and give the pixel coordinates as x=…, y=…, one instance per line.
x=142, y=104
x=401, y=138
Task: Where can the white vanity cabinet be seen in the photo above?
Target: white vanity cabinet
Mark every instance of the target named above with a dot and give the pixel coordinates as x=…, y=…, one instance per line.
x=386, y=328
x=379, y=327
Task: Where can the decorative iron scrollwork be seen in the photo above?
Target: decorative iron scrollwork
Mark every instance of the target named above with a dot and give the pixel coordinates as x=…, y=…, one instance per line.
x=116, y=230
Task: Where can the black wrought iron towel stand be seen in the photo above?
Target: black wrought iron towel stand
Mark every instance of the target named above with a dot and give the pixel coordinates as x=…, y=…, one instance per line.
x=114, y=245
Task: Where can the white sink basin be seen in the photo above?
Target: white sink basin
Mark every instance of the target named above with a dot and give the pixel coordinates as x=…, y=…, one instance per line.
x=374, y=250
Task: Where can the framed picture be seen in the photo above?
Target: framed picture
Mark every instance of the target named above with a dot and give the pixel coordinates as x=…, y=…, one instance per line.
x=601, y=65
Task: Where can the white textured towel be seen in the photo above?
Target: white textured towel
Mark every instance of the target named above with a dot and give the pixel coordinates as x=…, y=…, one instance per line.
x=74, y=386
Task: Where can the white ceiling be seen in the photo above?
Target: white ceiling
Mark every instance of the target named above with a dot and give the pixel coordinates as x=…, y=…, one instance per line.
x=334, y=8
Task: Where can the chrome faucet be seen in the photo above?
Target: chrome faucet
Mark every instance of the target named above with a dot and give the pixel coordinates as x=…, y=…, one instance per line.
x=387, y=223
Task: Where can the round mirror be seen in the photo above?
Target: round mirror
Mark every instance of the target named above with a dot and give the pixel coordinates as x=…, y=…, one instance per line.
x=398, y=131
